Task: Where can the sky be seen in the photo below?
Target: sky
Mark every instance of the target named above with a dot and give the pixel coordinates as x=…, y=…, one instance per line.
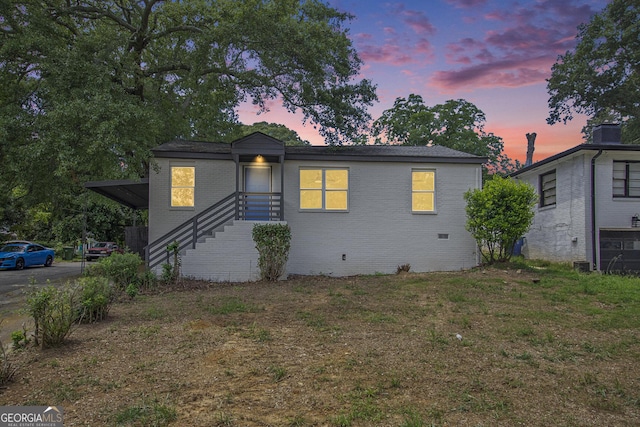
x=496, y=54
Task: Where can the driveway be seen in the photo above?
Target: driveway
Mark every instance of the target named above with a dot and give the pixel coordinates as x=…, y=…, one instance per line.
x=13, y=281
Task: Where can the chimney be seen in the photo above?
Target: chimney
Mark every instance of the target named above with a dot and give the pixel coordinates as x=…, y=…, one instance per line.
x=531, y=139
x=606, y=133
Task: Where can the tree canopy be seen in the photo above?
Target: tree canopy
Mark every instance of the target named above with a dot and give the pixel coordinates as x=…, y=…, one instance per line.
x=457, y=124
x=601, y=76
x=90, y=86
x=93, y=84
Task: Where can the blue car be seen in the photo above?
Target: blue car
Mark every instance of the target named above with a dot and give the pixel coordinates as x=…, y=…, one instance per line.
x=19, y=255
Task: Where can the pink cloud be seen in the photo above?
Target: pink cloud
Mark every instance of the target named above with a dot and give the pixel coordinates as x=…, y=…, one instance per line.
x=388, y=53
x=418, y=22
x=415, y=19
x=423, y=46
x=520, y=53
x=513, y=72
x=464, y=4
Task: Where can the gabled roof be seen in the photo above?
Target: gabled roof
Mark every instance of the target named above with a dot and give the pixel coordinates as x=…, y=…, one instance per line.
x=576, y=149
x=373, y=153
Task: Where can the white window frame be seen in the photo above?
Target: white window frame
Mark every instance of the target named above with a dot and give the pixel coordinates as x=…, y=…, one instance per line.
x=434, y=192
x=323, y=189
x=172, y=187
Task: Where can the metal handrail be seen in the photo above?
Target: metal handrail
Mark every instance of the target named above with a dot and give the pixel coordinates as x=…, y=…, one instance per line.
x=237, y=205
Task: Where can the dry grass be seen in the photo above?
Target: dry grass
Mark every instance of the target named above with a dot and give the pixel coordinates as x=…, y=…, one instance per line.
x=360, y=351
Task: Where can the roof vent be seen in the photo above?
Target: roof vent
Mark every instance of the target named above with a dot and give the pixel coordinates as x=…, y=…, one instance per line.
x=606, y=133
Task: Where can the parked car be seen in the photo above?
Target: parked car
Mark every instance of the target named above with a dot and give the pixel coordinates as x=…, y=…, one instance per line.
x=101, y=250
x=23, y=254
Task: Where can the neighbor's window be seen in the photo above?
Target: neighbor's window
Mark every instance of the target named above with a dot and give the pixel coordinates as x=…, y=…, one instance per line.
x=183, y=183
x=626, y=179
x=423, y=190
x=324, y=189
x=548, y=189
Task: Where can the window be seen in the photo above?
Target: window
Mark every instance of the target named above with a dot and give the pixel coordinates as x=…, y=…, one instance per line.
x=423, y=190
x=183, y=183
x=548, y=189
x=626, y=179
x=324, y=189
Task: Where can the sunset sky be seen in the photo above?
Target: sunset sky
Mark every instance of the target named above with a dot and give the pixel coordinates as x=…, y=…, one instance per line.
x=493, y=53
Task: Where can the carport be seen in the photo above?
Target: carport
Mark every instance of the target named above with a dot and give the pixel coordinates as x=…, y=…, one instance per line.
x=132, y=194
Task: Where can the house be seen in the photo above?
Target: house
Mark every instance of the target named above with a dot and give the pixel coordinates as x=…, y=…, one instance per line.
x=589, y=202
x=351, y=209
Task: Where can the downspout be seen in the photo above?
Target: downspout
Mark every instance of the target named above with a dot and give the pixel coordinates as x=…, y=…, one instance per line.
x=594, y=259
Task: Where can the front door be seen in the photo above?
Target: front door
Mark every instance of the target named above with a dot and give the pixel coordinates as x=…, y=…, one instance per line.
x=257, y=181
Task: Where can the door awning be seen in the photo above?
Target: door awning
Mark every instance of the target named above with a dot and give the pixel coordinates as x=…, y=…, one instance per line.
x=133, y=194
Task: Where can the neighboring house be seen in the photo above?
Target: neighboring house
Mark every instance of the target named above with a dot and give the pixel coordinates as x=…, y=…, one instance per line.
x=589, y=202
x=351, y=209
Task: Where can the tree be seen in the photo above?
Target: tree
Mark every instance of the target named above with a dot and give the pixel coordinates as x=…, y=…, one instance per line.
x=498, y=215
x=275, y=130
x=90, y=86
x=457, y=124
x=601, y=76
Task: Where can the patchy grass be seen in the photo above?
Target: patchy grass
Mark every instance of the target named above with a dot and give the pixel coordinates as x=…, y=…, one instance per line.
x=480, y=347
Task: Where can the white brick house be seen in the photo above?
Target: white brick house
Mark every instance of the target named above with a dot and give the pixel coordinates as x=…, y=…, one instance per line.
x=351, y=210
x=588, y=196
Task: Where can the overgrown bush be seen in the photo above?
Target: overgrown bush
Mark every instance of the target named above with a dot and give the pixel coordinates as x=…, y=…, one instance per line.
x=54, y=312
x=272, y=242
x=122, y=269
x=7, y=370
x=97, y=296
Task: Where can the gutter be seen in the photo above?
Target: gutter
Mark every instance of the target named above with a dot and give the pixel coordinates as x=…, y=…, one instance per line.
x=594, y=259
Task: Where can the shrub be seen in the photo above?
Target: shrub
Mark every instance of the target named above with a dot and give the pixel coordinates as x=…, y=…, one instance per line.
x=54, y=311
x=272, y=242
x=7, y=370
x=122, y=269
x=498, y=215
x=20, y=338
x=171, y=272
x=97, y=296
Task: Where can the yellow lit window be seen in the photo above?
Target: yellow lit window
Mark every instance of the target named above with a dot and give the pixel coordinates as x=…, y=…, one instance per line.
x=423, y=191
x=324, y=189
x=183, y=183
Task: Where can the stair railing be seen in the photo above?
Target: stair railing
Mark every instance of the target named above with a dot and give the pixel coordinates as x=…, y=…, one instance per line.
x=237, y=205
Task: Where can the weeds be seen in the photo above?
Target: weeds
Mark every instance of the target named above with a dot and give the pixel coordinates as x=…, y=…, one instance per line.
x=55, y=312
x=147, y=412
x=7, y=370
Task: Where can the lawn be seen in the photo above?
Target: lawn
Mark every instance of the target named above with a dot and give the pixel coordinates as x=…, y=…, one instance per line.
x=526, y=345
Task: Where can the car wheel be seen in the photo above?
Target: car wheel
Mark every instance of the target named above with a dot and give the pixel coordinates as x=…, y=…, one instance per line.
x=19, y=264
x=49, y=261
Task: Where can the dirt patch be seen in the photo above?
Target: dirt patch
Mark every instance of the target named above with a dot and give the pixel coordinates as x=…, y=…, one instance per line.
x=360, y=351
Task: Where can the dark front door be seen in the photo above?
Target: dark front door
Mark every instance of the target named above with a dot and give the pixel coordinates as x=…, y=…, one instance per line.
x=257, y=185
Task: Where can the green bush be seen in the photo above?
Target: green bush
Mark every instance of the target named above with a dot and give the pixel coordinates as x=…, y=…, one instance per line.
x=122, y=269
x=7, y=370
x=498, y=215
x=97, y=297
x=54, y=312
x=272, y=242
